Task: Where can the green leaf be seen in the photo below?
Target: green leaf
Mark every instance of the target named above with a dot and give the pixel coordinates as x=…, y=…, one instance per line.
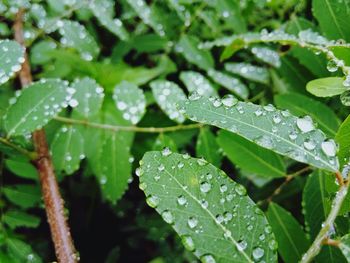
x=21, y=251
x=76, y=36
x=301, y=105
x=277, y=130
x=40, y=52
x=67, y=149
x=188, y=46
x=231, y=13
x=201, y=201
x=89, y=96
x=164, y=141
x=291, y=239
x=168, y=94
x=267, y=55
x=342, y=138
x=36, y=105
x=345, y=246
x=229, y=82
x=326, y=87
x=23, y=195
x=342, y=53
x=22, y=168
x=208, y=148
x=130, y=100
x=249, y=72
x=12, y=56
x=16, y=219
x=251, y=157
x=333, y=18
x=196, y=82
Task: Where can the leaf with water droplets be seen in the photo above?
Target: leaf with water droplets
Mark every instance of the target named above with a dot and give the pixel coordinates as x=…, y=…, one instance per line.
x=12, y=57
x=199, y=200
x=229, y=82
x=21, y=251
x=274, y=129
x=196, y=82
x=188, y=46
x=88, y=96
x=326, y=87
x=208, y=148
x=76, y=36
x=130, y=100
x=67, y=149
x=267, y=55
x=249, y=72
x=168, y=94
x=342, y=137
x=18, y=218
x=251, y=157
x=344, y=246
x=292, y=240
x=36, y=105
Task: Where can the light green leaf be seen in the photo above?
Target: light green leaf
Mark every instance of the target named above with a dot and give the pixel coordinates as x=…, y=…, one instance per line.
x=301, y=105
x=345, y=246
x=89, y=96
x=342, y=138
x=22, y=168
x=196, y=82
x=36, y=105
x=333, y=18
x=292, y=241
x=21, y=251
x=326, y=87
x=231, y=13
x=277, y=130
x=208, y=148
x=168, y=94
x=267, y=55
x=130, y=100
x=229, y=82
x=76, y=36
x=164, y=141
x=249, y=72
x=67, y=149
x=251, y=157
x=40, y=52
x=201, y=201
x=16, y=219
x=188, y=46
x=11, y=58
x=23, y=195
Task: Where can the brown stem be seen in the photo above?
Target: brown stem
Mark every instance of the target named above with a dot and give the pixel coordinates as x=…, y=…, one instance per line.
x=53, y=201
x=331, y=242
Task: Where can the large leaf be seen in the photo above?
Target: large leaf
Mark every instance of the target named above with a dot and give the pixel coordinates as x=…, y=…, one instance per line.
x=342, y=138
x=333, y=17
x=292, y=241
x=36, y=105
x=251, y=157
x=11, y=58
x=277, y=130
x=345, y=246
x=301, y=105
x=208, y=148
x=326, y=87
x=211, y=213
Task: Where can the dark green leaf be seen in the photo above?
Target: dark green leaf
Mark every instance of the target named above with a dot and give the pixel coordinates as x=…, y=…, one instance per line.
x=23, y=195
x=16, y=219
x=208, y=148
x=342, y=138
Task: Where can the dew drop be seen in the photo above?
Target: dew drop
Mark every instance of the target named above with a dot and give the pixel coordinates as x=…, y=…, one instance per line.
x=332, y=66
x=168, y=217
x=305, y=124
x=309, y=144
x=258, y=253
x=205, y=187
x=181, y=200
x=329, y=148
x=192, y=222
x=139, y=171
x=188, y=243
x=202, y=162
x=152, y=201
x=207, y=258
x=161, y=168
x=166, y=151
x=229, y=100
x=273, y=244
x=240, y=189
x=242, y=245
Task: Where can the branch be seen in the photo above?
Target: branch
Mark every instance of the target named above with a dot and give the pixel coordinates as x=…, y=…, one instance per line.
x=53, y=201
x=322, y=236
x=129, y=128
x=29, y=154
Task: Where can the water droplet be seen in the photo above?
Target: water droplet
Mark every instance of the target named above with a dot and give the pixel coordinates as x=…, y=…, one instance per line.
x=227, y=234
x=273, y=244
x=180, y=165
x=309, y=144
x=258, y=112
x=181, y=200
x=346, y=81
x=186, y=156
x=139, y=171
x=188, y=243
x=332, y=66
x=269, y=107
x=242, y=245
x=194, y=96
x=207, y=258
x=168, y=217
x=205, y=187
x=223, y=188
x=166, y=151
x=152, y=201
x=202, y=161
x=268, y=229
x=217, y=103
x=293, y=135
x=329, y=148
x=143, y=186
x=305, y=124
x=219, y=218
x=192, y=222
x=229, y=100
x=258, y=253
x=277, y=118
x=240, y=189
x=161, y=167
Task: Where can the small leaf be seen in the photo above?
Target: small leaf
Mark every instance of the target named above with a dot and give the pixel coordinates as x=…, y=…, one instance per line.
x=130, y=100
x=208, y=148
x=23, y=195
x=22, y=168
x=168, y=94
x=326, y=87
x=76, y=36
x=188, y=46
x=231, y=13
x=200, y=201
x=196, y=82
x=342, y=137
x=251, y=157
x=16, y=219
x=12, y=57
x=292, y=241
x=277, y=130
x=67, y=149
x=36, y=105
x=89, y=96
x=267, y=55
x=345, y=246
x=249, y=72
x=231, y=83
x=40, y=52
x=301, y=105
x=21, y=251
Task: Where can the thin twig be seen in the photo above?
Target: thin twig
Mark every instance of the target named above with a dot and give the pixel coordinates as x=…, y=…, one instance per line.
x=29, y=154
x=129, y=128
x=331, y=242
x=53, y=201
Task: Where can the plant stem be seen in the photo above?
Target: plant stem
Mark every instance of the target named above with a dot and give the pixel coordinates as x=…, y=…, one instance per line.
x=327, y=225
x=30, y=155
x=129, y=128
x=53, y=201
